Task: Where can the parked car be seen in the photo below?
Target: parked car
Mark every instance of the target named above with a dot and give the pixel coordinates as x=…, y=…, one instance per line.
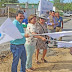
x=66, y=14
x=70, y=12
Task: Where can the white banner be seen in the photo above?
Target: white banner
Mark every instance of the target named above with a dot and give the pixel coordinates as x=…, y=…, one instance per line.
x=8, y=32
x=57, y=34
x=60, y=34
x=64, y=44
x=44, y=5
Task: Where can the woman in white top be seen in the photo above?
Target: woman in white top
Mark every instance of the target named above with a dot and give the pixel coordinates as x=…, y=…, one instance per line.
x=31, y=41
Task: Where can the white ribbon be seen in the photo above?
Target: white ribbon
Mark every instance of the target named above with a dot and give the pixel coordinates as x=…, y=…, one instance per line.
x=64, y=44
x=57, y=34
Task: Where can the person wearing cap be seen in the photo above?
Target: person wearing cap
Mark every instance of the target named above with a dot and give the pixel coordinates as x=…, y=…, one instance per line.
x=17, y=45
x=31, y=41
x=25, y=20
x=51, y=24
x=25, y=14
x=42, y=28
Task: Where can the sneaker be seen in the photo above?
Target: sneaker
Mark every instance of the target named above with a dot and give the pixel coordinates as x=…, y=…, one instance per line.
x=45, y=61
x=55, y=45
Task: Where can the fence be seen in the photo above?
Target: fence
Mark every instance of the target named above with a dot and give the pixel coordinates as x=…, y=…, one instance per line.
x=12, y=11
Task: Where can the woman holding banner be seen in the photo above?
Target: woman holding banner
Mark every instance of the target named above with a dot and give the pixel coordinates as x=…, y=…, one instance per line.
x=31, y=41
x=42, y=28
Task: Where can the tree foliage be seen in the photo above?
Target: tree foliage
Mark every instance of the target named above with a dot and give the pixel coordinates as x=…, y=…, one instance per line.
x=56, y=1
x=9, y=1
x=63, y=6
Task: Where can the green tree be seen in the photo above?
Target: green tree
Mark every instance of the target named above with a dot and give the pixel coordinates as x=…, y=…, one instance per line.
x=56, y=1
x=14, y=1
x=9, y=1
x=62, y=6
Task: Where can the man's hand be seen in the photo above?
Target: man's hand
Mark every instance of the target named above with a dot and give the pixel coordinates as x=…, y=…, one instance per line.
x=44, y=39
x=53, y=24
x=26, y=35
x=56, y=23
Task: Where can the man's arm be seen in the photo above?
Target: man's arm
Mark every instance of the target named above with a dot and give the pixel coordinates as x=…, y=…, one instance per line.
x=48, y=23
x=62, y=23
x=25, y=35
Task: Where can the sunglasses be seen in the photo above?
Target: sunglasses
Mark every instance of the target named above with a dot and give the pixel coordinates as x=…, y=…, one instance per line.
x=43, y=18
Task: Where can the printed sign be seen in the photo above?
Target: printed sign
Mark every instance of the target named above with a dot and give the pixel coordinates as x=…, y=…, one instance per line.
x=44, y=6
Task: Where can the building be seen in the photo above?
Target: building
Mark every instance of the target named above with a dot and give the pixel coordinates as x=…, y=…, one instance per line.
x=21, y=5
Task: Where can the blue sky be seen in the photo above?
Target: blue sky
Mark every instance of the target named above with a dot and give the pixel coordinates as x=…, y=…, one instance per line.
x=36, y=1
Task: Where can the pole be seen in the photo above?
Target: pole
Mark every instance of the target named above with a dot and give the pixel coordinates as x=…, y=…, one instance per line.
x=8, y=12
x=35, y=11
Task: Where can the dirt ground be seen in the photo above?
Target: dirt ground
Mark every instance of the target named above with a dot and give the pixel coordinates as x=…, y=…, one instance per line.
x=59, y=60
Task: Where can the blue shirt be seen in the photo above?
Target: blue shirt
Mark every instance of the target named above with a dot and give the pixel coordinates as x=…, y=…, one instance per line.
x=21, y=30
x=25, y=20
x=59, y=20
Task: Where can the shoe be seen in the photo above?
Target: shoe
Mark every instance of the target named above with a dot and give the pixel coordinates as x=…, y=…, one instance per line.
x=71, y=53
x=38, y=62
x=71, y=50
x=29, y=70
x=55, y=45
x=32, y=68
x=45, y=61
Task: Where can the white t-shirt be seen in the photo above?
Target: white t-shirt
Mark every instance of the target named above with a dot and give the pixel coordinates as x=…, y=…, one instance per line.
x=31, y=40
x=25, y=15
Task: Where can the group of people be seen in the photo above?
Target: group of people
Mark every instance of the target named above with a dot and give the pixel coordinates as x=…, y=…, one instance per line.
x=24, y=48
x=54, y=23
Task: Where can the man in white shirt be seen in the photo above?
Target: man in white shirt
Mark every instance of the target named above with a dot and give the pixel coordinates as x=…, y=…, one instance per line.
x=25, y=14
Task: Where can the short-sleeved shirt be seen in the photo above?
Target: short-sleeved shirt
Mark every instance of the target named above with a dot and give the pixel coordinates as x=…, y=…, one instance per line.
x=50, y=23
x=21, y=30
x=31, y=40
x=59, y=20
x=40, y=30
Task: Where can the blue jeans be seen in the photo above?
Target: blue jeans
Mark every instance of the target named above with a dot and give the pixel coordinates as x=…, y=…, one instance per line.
x=18, y=52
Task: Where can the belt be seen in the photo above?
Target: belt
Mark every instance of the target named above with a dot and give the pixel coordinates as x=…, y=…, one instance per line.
x=58, y=26
x=15, y=44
